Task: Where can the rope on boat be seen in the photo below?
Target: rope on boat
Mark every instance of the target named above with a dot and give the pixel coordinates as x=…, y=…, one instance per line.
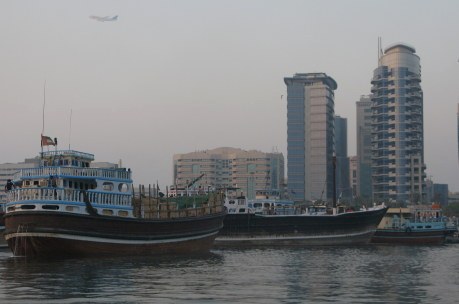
x=89, y=208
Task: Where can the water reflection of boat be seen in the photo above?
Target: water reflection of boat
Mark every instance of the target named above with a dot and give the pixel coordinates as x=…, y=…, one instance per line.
x=415, y=225
x=277, y=223
x=65, y=207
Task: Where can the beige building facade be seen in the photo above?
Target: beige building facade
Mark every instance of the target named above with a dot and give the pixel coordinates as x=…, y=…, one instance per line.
x=249, y=171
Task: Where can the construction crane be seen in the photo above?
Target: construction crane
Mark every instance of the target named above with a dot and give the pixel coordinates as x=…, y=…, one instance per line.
x=194, y=181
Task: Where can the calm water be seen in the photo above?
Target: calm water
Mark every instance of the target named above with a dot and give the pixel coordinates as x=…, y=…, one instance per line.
x=370, y=274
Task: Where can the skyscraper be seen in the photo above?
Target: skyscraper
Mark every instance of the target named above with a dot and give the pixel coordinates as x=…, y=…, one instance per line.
x=364, y=148
x=343, y=188
x=310, y=135
x=353, y=175
x=398, y=169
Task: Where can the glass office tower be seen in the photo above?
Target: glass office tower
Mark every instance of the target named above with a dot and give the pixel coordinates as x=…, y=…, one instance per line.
x=343, y=187
x=310, y=136
x=398, y=169
x=364, y=119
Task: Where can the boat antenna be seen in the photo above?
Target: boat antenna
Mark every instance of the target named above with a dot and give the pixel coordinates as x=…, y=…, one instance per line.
x=70, y=128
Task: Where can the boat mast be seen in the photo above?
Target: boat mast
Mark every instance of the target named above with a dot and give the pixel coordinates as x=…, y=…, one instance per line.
x=70, y=129
x=43, y=120
x=334, y=181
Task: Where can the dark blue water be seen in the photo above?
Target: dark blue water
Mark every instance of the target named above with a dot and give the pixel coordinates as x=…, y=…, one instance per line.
x=370, y=274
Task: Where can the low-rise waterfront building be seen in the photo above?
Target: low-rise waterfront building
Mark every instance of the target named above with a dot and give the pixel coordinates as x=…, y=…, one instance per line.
x=7, y=171
x=250, y=171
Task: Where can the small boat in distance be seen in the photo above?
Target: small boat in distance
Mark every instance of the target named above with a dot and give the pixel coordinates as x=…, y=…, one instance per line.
x=67, y=208
x=415, y=225
x=275, y=222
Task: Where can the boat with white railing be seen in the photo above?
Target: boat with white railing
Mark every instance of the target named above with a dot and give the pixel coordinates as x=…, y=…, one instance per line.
x=67, y=208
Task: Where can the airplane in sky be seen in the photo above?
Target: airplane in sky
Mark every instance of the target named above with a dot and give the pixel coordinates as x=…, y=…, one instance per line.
x=103, y=19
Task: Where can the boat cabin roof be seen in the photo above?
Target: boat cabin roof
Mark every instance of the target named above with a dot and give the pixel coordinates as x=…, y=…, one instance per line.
x=67, y=154
x=397, y=211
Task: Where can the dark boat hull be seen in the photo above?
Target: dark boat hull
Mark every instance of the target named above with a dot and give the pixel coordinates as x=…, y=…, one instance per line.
x=401, y=237
x=299, y=230
x=2, y=229
x=65, y=234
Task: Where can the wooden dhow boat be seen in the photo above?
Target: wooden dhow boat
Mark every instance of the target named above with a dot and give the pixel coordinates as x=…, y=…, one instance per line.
x=65, y=207
x=275, y=222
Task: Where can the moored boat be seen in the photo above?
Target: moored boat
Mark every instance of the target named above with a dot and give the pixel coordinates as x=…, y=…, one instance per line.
x=280, y=223
x=2, y=225
x=67, y=208
x=415, y=225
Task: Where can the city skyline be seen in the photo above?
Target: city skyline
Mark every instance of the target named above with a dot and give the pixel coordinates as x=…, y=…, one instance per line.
x=169, y=78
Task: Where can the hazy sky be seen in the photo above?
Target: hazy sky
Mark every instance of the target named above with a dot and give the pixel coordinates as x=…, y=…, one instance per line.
x=179, y=76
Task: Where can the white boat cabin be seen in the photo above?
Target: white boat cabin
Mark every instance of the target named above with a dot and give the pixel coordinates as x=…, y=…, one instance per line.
x=66, y=183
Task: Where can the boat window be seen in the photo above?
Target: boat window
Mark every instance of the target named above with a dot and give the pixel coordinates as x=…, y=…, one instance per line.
x=123, y=213
x=107, y=212
x=72, y=208
x=50, y=207
x=267, y=205
x=107, y=186
x=231, y=202
x=11, y=208
x=242, y=210
x=28, y=207
x=429, y=226
x=123, y=187
x=257, y=205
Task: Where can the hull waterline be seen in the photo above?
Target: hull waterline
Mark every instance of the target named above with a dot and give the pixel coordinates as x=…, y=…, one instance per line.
x=44, y=235
x=351, y=228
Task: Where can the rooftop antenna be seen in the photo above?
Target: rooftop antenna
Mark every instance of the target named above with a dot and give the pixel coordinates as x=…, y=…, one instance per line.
x=380, y=51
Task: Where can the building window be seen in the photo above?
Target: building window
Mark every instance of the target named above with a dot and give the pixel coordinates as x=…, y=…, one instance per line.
x=195, y=169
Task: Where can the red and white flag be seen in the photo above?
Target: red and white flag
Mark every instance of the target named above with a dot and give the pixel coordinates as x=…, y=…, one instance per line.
x=47, y=141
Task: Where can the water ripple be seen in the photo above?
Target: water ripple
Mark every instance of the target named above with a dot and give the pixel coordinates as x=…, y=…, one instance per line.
x=376, y=274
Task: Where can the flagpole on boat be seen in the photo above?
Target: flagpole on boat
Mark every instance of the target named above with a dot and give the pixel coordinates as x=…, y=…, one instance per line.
x=70, y=128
